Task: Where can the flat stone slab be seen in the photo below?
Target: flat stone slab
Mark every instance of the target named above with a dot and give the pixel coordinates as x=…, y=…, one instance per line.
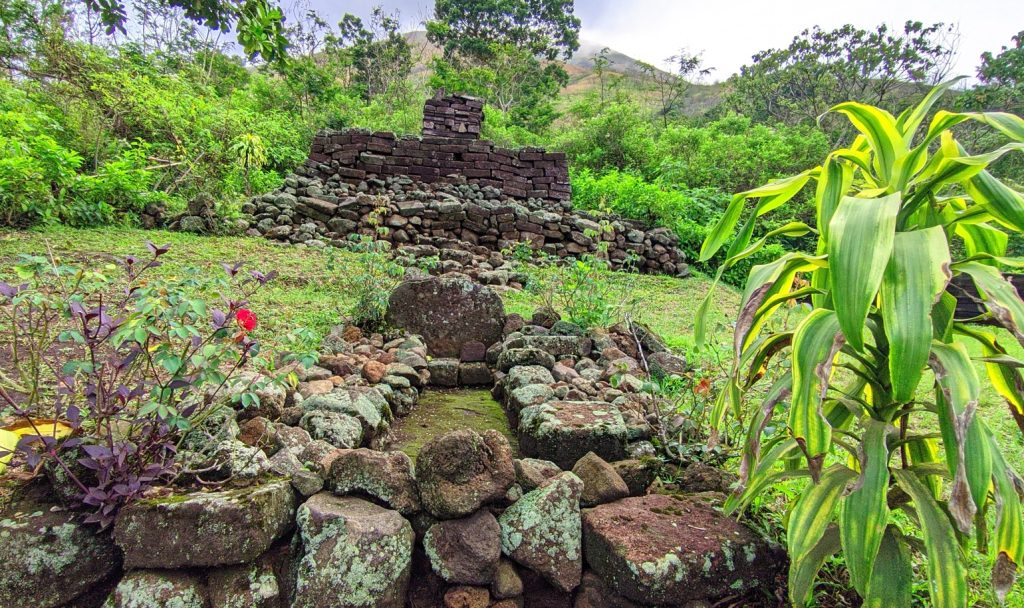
x=205, y=529
x=662, y=550
x=564, y=431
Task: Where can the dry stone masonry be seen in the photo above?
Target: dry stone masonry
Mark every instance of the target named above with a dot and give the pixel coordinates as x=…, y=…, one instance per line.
x=449, y=191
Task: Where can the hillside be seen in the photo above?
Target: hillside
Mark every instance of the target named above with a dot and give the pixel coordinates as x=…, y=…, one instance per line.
x=622, y=70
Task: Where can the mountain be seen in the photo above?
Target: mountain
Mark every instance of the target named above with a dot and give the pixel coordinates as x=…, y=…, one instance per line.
x=622, y=70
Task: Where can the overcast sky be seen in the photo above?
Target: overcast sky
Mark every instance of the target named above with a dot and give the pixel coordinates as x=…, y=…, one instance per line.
x=730, y=31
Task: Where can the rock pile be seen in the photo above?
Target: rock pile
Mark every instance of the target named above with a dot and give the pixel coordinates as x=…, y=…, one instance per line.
x=468, y=219
x=319, y=516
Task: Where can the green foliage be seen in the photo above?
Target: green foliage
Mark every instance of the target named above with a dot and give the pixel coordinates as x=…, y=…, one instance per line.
x=370, y=282
x=381, y=55
x=887, y=209
x=542, y=28
x=616, y=135
x=821, y=68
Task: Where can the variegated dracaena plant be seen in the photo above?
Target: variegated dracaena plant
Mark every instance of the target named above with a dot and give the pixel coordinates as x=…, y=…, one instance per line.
x=887, y=209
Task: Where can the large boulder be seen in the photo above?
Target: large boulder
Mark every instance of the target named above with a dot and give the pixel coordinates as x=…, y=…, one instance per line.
x=386, y=476
x=448, y=312
x=542, y=531
x=205, y=529
x=564, y=431
x=461, y=471
x=465, y=551
x=49, y=558
x=355, y=554
x=149, y=588
x=667, y=550
x=337, y=429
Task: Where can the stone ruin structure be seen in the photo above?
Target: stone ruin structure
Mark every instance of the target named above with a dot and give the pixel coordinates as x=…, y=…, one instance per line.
x=449, y=190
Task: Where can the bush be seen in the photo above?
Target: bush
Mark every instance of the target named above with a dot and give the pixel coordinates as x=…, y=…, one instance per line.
x=127, y=366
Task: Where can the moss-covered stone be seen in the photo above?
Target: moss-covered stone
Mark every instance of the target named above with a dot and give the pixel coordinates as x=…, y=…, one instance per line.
x=246, y=586
x=465, y=551
x=340, y=430
x=158, y=589
x=563, y=431
x=667, y=550
x=205, y=528
x=386, y=476
x=463, y=470
x=441, y=411
x=49, y=558
x=355, y=554
x=542, y=531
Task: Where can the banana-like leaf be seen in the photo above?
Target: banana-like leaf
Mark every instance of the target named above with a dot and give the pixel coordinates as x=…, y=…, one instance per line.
x=864, y=513
x=815, y=344
x=1003, y=202
x=942, y=317
x=891, y=581
x=815, y=509
x=967, y=453
x=946, y=573
x=789, y=229
x=879, y=128
x=957, y=168
x=772, y=195
x=1000, y=296
x=779, y=391
x=803, y=573
x=917, y=274
x=1008, y=549
x=860, y=244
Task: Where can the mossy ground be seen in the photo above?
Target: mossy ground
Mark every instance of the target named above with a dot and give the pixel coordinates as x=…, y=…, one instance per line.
x=440, y=411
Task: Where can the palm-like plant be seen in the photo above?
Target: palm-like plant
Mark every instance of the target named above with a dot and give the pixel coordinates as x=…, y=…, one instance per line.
x=887, y=207
x=251, y=153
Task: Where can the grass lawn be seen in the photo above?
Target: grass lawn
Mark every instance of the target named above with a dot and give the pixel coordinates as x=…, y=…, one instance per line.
x=307, y=294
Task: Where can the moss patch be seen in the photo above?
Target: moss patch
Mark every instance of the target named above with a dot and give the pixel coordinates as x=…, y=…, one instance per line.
x=438, y=412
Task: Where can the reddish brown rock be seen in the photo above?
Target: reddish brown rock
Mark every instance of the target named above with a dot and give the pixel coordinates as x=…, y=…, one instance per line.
x=472, y=352
x=467, y=597
x=601, y=482
x=461, y=471
x=465, y=551
x=448, y=312
x=660, y=549
x=373, y=371
x=595, y=593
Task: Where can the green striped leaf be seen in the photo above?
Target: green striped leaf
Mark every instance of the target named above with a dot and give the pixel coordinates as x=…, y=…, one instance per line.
x=765, y=282
x=815, y=344
x=891, y=582
x=860, y=244
x=947, y=584
x=1008, y=549
x=915, y=277
x=815, y=509
x=982, y=239
x=879, y=129
x=967, y=453
x=1005, y=377
x=925, y=451
x=802, y=573
x=772, y=195
x=911, y=118
x=864, y=513
x=1004, y=203
x=834, y=182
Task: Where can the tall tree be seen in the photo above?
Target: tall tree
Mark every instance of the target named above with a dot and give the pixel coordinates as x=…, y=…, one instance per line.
x=505, y=51
x=673, y=84
x=821, y=68
x=545, y=28
x=379, y=53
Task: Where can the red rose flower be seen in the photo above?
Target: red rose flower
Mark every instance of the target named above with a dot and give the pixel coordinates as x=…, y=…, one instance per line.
x=246, y=319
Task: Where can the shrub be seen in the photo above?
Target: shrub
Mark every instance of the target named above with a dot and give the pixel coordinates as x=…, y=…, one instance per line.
x=129, y=365
x=887, y=208
x=370, y=282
